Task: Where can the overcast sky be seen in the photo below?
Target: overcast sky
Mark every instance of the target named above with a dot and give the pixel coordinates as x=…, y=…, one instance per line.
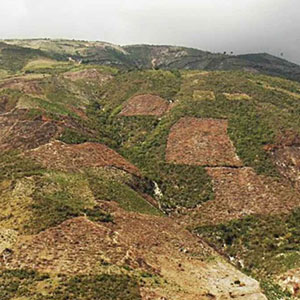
x=215, y=25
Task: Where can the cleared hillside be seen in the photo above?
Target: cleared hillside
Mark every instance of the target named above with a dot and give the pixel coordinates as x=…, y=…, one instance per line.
x=146, y=184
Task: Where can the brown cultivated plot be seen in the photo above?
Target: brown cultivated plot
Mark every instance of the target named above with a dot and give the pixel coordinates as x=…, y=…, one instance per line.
x=202, y=142
x=89, y=74
x=19, y=133
x=61, y=156
x=145, y=105
x=241, y=192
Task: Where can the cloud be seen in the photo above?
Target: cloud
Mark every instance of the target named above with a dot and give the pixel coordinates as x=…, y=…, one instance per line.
x=216, y=25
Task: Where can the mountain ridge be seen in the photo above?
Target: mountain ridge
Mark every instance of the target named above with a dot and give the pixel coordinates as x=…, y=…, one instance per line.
x=144, y=56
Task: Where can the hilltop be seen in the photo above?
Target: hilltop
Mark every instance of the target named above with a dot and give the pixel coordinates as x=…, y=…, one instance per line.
x=158, y=57
x=128, y=178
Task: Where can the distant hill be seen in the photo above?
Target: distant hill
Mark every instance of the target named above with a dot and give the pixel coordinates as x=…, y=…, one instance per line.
x=161, y=57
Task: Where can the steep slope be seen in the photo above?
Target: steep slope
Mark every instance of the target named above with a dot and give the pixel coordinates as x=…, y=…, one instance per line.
x=146, y=184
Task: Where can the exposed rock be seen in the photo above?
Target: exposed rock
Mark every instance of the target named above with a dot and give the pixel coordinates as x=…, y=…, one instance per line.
x=290, y=281
x=8, y=238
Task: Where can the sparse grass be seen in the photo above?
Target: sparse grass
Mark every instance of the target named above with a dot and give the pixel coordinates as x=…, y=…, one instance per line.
x=59, y=196
x=49, y=198
x=46, y=66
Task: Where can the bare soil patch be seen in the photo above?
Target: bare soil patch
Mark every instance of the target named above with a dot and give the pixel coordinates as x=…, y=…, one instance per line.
x=145, y=105
x=22, y=134
x=61, y=156
x=89, y=74
x=241, y=192
x=22, y=84
x=286, y=156
x=154, y=245
x=287, y=160
x=201, y=142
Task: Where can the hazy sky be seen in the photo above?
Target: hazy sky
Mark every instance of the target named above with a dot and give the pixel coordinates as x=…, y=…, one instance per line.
x=216, y=25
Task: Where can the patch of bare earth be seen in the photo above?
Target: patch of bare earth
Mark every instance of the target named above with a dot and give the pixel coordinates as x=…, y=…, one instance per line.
x=290, y=281
x=17, y=132
x=185, y=266
x=286, y=156
x=22, y=84
x=88, y=75
x=61, y=156
x=240, y=192
x=5, y=104
x=202, y=142
x=145, y=105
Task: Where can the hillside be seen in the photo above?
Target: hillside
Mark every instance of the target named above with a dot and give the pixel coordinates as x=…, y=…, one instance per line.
x=158, y=57
x=121, y=183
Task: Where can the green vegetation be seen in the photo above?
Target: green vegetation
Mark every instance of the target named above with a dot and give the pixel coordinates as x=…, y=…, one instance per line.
x=267, y=245
x=70, y=136
x=273, y=291
x=116, y=187
x=28, y=284
x=14, y=58
x=13, y=166
x=34, y=198
x=59, y=196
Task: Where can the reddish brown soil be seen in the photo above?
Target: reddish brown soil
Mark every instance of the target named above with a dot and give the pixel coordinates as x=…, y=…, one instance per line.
x=58, y=155
x=22, y=134
x=24, y=85
x=145, y=105
x=73, y=246
x=155, y=245
x=287, y=160
x=89, y=74
x=201, y=142
x=286, y=156
x=241, y=192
